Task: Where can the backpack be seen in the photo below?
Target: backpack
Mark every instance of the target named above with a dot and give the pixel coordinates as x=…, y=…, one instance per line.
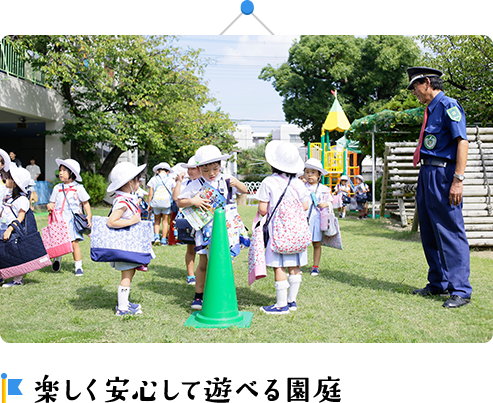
x=161, y=196
x=290, y=232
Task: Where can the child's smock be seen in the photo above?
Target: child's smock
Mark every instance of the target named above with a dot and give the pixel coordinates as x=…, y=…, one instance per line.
x=270, y=191
x=155, y=182
x=323, y=194
x=193, y=187
x=9, y=210
x=359, y=189
x=76, y=195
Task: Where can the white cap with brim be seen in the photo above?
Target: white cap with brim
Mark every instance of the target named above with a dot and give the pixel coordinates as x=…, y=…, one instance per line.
x=190, y=164
x=344, y=178
x=21, y=177
x=360, y=177
x=283, y=156
x=6, y=160
x=208, y=154
x=161, y=165
x=123, y=173
x=71, y=164
x=313, y=163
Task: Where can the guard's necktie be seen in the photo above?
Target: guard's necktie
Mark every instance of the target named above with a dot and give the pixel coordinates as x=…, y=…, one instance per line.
x=420, y=141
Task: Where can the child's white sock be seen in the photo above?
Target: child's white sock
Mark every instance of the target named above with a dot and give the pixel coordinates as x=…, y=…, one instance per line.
x=294, y=286
x=78, y=264
x=18, y=278
x=281, y=293
x=123, y=298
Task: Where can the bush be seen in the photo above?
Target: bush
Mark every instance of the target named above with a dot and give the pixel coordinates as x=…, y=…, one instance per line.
x=95, y=185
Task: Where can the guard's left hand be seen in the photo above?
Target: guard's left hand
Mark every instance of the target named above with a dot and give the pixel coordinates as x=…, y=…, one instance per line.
x=455, y=196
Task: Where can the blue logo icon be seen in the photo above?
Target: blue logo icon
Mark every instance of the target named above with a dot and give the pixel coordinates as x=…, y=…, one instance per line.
x=10, y=387
x=247, y=8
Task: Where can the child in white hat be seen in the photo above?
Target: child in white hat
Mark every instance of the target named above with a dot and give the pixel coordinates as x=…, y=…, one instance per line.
x=321, y=199
x=360, y=191
x=124, y=213
x=160, y=198
x=4, y=168
x=286, y=163
x=208, y=160
x=67, y=198
x=343, y=188
x=14, y=207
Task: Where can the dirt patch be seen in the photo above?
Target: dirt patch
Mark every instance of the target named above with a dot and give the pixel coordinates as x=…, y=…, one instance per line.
x=487, y=254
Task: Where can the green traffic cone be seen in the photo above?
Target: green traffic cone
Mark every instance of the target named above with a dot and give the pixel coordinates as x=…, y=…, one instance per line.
x=219, y=306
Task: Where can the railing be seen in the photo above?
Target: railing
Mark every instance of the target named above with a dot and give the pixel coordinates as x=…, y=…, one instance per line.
x=11, y=63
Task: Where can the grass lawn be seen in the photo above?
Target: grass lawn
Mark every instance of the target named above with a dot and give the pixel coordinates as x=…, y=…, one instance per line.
x=363, y=294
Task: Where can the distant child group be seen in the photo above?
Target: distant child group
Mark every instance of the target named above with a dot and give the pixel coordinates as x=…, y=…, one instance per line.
x=313, y=200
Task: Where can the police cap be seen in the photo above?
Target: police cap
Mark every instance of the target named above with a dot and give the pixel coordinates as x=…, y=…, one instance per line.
x=416, y=73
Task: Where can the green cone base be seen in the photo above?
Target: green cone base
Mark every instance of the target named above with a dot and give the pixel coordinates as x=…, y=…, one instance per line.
x=197, y=320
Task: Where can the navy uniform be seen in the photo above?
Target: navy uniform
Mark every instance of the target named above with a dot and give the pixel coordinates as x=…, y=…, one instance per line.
x=441, y=224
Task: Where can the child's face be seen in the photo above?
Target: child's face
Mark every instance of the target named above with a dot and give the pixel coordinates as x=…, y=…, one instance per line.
x=64, y=174
x=210, y=171
x=312, y=175
x=358, y=181
x=193, y=173
x=343, y=182
x=9, y=183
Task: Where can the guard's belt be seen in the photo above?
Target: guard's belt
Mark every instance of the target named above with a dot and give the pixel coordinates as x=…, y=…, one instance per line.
x=437, y=162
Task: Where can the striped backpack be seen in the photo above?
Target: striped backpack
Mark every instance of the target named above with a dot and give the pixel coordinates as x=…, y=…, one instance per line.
x=290, y=232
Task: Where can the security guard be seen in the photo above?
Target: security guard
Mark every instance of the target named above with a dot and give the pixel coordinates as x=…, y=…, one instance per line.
x=442, y=151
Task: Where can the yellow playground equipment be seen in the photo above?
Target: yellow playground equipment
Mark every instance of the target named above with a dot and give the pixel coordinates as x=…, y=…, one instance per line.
x=336, y=160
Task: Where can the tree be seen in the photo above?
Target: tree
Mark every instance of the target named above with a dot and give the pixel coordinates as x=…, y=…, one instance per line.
x=128, y=92
x=366, y=72
x=467, y=64
x=252, y=163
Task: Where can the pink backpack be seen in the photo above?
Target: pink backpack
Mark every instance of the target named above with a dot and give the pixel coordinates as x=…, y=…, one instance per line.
x=290, y=232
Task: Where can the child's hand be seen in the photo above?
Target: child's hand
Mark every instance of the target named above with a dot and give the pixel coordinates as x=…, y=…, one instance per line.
x=7, y=233
x=89, y=222
x=197, y=201
x=323, y=205
x=50, y=207
x=180, y=177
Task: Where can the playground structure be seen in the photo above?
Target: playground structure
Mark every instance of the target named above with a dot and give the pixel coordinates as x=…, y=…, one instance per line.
x=336, y=160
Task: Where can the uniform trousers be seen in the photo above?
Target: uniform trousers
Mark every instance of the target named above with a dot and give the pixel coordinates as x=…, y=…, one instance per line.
x=442, y=232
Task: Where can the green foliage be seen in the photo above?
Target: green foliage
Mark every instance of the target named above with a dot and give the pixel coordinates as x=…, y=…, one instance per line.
x=467, y=64
x=95, y=185
x=367, y=72
x=129, y=92
x=252, y=163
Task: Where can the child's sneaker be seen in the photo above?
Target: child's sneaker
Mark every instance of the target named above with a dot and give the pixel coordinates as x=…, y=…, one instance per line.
x=129, y=311
x=196, y=304
x=79, y=272
x=292, y=306
x=135, y=307
x=275, y=310
x=156, y=241
x=315, y=271
x=13, y=283
x=56, y=265
x=191, y=280
x=164, y=241
x=142, y=268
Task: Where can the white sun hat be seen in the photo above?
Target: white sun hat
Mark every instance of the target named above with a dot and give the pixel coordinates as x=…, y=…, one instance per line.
x=71, y=164
x=207, y=154
x=360, y=177
x=162, y=165
x=21, y=177
x=313, y=163
x=190, y=164
x=283, y=156
x=6, y=160
x=122, y=173
x=179, y=168
x=344, y=178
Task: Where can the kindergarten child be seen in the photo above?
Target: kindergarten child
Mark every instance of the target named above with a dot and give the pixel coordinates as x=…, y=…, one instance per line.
x=4, y=168
x=321, y=199
x=14, y=207
x=160, y=198
x=67, y=198
x=285, y=162
x=124, y=213
x=360, y=191
x=343, y=189
x=193, y=173
x=208, y=160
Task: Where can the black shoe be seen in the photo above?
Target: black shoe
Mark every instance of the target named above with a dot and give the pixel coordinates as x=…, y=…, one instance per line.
x=456, y=302
x=426, y=292
x=56, y=266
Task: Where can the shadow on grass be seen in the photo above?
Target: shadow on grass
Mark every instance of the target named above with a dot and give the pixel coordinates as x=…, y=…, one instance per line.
x=94, y=297
x=376, y=228
x=355, y=280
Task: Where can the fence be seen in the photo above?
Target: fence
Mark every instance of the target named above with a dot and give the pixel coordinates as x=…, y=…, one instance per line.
x=400, y=178
x=12, y=64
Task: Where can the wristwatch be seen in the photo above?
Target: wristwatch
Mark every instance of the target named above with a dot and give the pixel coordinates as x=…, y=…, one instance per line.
x=460, y=177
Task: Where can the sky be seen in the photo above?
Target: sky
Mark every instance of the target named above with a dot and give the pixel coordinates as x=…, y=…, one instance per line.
x=237, y=61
